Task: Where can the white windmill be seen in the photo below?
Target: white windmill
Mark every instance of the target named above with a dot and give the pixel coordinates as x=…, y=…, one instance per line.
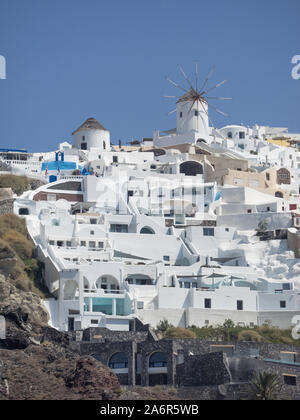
x=192, y=108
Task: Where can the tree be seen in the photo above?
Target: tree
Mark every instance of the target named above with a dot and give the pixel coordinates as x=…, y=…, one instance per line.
x=265, y=386
x=262, y=227
x=228, y=330
x=163, y=326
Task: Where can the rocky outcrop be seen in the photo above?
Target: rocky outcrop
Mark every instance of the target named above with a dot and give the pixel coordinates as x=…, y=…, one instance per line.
x=37, y=361
x=21, y=307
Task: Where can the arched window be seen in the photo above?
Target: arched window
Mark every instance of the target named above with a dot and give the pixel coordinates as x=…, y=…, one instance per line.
x=147, y=230
x=118, y=361
x=191, y=168
x=278, y=194
x=158, y=359
x=229, y=135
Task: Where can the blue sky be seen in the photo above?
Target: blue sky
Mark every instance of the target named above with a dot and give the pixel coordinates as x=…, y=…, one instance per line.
x=68, y=60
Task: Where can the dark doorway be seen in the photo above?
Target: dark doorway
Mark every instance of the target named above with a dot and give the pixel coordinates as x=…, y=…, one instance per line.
x=70, y=324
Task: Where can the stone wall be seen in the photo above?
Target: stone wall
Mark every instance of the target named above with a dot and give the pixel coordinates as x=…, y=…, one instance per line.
x=6, y=206
x=42, y=196
x=191, y=362
x=94, y=335
x=207, y=369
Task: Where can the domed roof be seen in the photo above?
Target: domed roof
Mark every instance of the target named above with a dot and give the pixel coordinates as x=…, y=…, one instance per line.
x=90, y=124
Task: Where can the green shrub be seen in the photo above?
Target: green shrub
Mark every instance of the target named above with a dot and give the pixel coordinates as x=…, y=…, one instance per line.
x=179, y=333
x=163, y=326
x=248, y=335
x=19, y=243
x=11, y=221
x=18, y=184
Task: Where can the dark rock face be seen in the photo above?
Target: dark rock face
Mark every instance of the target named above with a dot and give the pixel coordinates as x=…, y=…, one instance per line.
x=37, y=362
x=50, y=372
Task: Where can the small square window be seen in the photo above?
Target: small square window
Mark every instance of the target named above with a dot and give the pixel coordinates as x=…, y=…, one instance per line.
x=69, y=243
x=92, y=232
x=166, y=258
x=282, y=304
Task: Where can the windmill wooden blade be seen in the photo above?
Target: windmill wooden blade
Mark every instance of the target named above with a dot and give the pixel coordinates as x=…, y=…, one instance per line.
x=171, y=97
x=185, y=76
x=218, y=110
x=176, y=84
x=197, y=76
x=221, y=98
x=207, y=78
x=214, y=87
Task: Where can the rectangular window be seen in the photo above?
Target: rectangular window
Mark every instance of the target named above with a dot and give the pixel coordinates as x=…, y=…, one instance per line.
x=239, y=305
x=241, y=134
x=51, y=242
x=290, y=379
x=83, y=146
x=207, y=303
x=194, y=285
x=119, y=228
x=69, y=243
x=92, y=244
x=82, y=243
x=92, y=232
x=93, y=221
x=115, y=159
x=196, y=113
x=60, y=243
x=208, y=232
x=100, y=245
x=166, y=258
x=187, y=285
x=282, y=304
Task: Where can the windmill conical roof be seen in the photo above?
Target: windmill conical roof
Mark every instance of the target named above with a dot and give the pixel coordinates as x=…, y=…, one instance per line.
x=90, y=124
x=191, y=96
